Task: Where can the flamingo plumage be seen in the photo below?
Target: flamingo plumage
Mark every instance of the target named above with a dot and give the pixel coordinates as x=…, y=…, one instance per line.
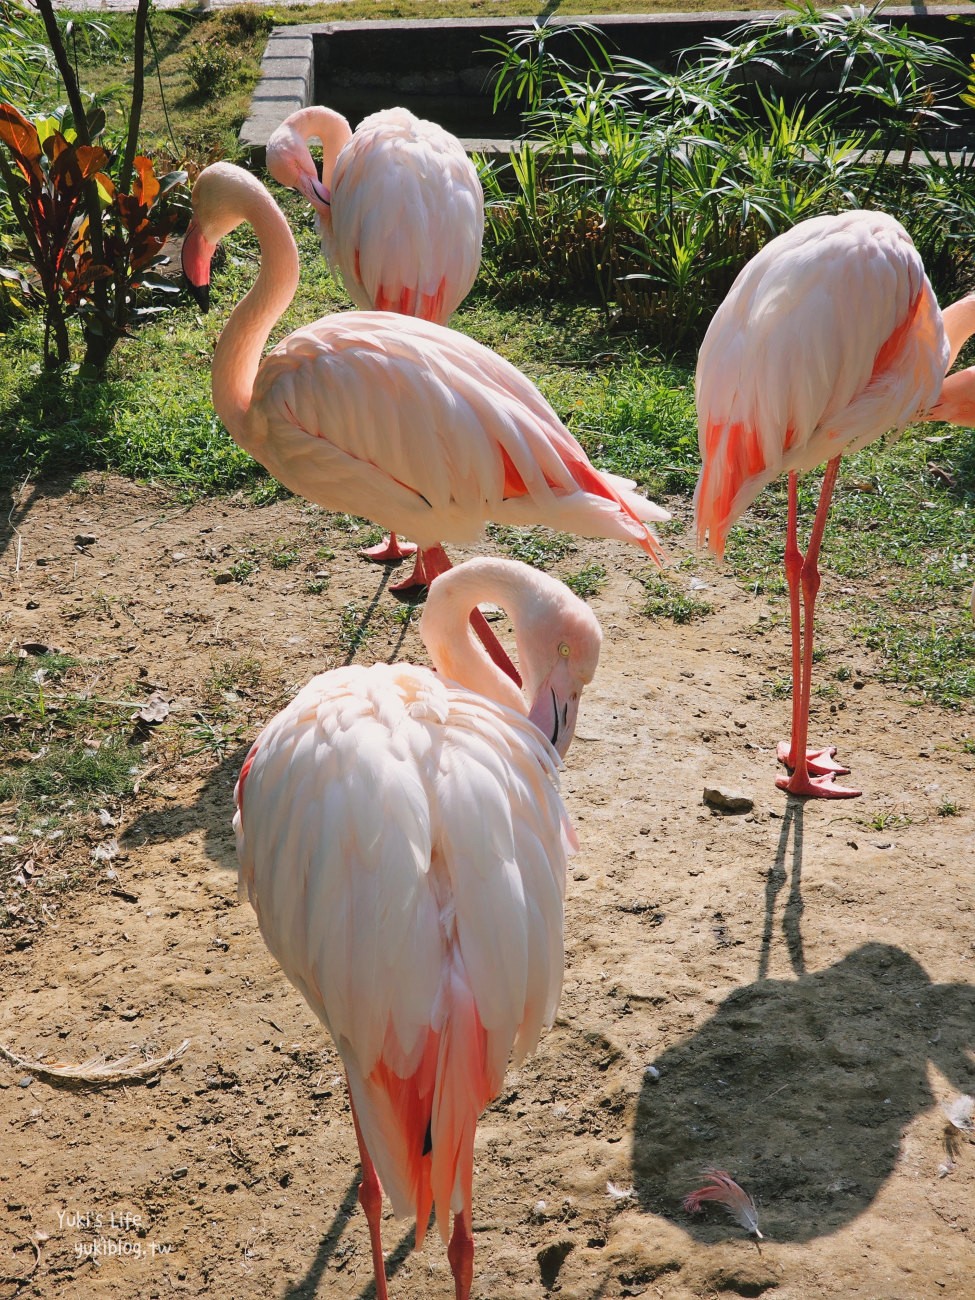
x=403, y=842
x=400, y=207
x=400, y=420
x=400, y=213
x=830, y=337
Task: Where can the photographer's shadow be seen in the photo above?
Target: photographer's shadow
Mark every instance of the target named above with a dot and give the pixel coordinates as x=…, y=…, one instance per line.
x=801, y=1089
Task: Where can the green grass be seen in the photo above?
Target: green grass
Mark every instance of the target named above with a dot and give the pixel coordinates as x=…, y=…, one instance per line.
x=667, y=599
x=536, y=546
x=64, y=755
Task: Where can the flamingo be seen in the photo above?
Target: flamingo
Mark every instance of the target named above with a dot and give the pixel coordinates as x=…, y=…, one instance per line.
x=403, y=842
x=400, y=213
x=401, y=420
x=830, y=337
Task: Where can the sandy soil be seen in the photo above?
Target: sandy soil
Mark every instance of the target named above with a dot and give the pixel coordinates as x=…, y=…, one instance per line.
x=801, y=978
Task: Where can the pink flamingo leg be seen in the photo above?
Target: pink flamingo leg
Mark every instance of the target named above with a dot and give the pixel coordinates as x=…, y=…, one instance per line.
x=433, y=561
x=818, y=761
x=460, y=1252
x=389, y=551
x=371, y=1200
x=800, y=782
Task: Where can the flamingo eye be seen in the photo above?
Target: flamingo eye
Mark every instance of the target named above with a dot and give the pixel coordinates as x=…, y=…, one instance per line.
x=564, y=650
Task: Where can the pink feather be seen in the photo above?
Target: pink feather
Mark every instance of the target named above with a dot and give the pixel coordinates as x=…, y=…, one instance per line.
x=721, y=1187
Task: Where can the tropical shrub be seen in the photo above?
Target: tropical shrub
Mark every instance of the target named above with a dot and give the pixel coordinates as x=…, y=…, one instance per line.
x=647, y=189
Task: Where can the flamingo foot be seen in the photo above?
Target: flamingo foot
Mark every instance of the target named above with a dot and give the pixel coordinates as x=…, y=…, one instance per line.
x=805, y=786
x=389, y=551
x=818, y=761
x=415, y=586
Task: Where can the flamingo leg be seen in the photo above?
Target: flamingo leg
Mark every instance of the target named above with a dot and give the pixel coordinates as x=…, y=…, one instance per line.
x=371, y=1200
x=818, y=761
x=389, y=551
x=460, y=1252
x=800, y=782
x=435, y=561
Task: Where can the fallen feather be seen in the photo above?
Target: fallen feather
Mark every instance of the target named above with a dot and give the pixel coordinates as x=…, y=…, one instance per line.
x=97, y=1070
x=723, y=1189
x=616, y=1193
x=960, y=1113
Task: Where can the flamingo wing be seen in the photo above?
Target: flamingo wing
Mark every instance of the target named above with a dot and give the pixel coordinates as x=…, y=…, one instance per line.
x=403, y=844
x=407, y=217
x=429, y=434
x=829, y=337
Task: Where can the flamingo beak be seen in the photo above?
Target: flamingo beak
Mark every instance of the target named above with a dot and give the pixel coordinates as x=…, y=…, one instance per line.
x=556, y=706
x=317, y=194
x=196, y=257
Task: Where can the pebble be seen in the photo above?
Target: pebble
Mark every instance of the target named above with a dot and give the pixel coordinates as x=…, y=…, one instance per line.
x=732, y=801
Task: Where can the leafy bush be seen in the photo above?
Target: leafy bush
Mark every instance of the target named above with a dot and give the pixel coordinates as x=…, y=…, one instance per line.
x=647, y=190
x=92, y=220
x=213, y=67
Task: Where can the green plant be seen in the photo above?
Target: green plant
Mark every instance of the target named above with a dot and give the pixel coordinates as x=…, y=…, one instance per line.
x=213, y=68
x=244, y=567
x=948, y=808
x=285, y=557
x=354, y=630
x=666, y=600
x=91, y=238
x=78, y=245
x=587, y=581
x=647, y=190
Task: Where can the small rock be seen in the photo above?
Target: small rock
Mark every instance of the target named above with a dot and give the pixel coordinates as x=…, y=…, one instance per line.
x=732, y=801
x=33, y=604
x=221, y=579
x=85, y=539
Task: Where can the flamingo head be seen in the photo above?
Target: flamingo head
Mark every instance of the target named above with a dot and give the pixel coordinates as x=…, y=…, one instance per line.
x=558, y=652
x=196, y=256
x=216, y=211
x=290, y=162
x=555, y=701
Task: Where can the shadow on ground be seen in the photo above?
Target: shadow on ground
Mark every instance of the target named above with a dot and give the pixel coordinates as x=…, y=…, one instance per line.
x=802, y=1089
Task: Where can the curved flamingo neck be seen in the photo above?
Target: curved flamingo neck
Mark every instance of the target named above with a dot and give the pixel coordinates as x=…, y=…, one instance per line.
x=956, y=404
x=959, y=323
x=330, y=127
x=239, y=349
x=446, y=630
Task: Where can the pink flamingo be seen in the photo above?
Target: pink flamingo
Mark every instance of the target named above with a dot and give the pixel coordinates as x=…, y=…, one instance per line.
x=400, y=420
x=403, y=842
x=830, y=337
x=400, y=213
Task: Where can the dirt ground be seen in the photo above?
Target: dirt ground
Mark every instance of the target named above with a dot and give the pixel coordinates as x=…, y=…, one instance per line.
x=801, y=978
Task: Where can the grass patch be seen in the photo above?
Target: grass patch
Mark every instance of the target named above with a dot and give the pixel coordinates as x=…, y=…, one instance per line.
x=587, y=581
x=64, y=757
x=535, y=546
x=665, y=599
